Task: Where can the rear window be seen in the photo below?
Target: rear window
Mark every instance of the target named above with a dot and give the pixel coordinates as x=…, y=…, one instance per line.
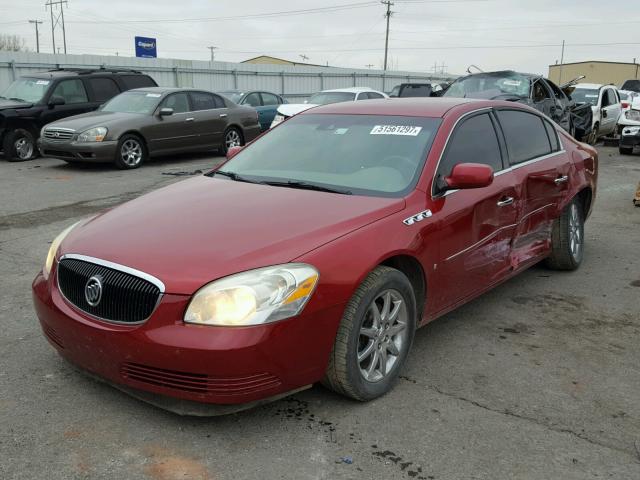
x=416, y=91
x=137, y=81
x=633, y=85
x=525, y=134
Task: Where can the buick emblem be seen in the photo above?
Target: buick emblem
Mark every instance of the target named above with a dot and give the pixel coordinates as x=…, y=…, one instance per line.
x=93, y=290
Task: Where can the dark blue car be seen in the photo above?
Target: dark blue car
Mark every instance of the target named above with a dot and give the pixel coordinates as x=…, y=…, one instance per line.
x=266, y=103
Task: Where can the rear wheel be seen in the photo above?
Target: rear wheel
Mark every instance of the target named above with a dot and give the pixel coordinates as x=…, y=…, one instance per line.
x=374, y=336
x=232, y=138
x=593, y=136
x=626, y=150
x=567, y=238
x=19, y=145
x=131, y=152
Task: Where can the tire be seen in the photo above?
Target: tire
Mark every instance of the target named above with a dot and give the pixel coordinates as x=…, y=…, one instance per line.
x=232, y=137
x=131, y=152
x=348, y=376
x=19, y=145
x=593, y=136
x=567, y=238
x=626, y=150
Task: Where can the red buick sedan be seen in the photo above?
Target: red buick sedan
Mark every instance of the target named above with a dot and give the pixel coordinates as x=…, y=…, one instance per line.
x=314, y=253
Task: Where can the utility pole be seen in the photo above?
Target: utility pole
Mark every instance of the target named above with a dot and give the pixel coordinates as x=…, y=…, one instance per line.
x=388, y=3
x=37, y=34
x=56, y=20
x=561, y=63
x=369, y=65
x=212, y=54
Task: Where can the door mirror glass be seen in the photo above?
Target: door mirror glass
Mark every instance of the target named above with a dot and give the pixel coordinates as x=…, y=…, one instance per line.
x=469, y=175
x=56, y=100
x=233, y=151
x=166, y=111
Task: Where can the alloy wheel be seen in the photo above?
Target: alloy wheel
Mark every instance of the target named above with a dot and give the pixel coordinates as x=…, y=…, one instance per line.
x=232, y=139
x=575, y=232
x=131, y=152
x=383, y=335
x=23, y=148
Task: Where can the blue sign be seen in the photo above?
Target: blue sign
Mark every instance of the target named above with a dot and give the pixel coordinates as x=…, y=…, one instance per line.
x=146, y=47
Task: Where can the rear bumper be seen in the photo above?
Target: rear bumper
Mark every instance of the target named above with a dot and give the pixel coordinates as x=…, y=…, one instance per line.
x=178, y=366
x=96, y=152
x=629, y=140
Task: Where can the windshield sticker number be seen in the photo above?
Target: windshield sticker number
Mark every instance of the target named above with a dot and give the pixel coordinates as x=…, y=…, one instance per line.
x=154, y=95
x=340, y=131
x=42, y=82
x=407, y=130
x=512, y=83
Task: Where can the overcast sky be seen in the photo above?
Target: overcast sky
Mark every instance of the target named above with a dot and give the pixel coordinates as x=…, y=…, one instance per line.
x=493, y=34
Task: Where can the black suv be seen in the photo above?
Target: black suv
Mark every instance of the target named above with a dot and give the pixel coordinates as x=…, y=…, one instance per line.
x=34, y=100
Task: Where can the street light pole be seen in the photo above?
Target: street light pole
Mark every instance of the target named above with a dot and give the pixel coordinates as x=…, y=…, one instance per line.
x=212, y=48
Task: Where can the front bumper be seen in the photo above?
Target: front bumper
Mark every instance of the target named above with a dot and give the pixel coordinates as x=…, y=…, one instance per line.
x=629, y=140
x=96, y=152
x=190, y=369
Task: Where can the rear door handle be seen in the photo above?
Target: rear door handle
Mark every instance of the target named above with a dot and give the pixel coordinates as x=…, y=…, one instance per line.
x=222, y=115
x=505, y=201
x=561, y=180
x=190, y=119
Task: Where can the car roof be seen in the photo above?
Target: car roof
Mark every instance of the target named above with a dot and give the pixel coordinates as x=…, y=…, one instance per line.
x=164, y=90
x=350, y=90
x=79, y=72
x=409, y=107
x=591, y=85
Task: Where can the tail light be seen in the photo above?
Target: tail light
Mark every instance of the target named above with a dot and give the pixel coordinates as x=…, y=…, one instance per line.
x=625, y=104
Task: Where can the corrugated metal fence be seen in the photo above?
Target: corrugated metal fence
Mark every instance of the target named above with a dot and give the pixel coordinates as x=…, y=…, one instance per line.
x=295, y=82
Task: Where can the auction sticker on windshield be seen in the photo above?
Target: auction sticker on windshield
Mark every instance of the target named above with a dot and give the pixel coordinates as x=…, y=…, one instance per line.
x=409, y=130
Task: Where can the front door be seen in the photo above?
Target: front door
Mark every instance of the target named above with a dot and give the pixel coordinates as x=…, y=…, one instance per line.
x=475, y=226
x=610, y=110
x=76, y=100
x=267, y=112
x=172, y=132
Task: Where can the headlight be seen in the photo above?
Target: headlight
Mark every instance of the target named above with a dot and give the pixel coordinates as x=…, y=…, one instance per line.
x=254, y=297
x=96, y=134
x=631, y=131
x=632, y=115
x=54, y=248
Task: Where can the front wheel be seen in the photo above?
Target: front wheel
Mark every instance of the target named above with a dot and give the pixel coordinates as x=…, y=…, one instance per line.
x=19, y=145
x=374, y=336
x=232, y=138
x=131, y=152
x=567, y=238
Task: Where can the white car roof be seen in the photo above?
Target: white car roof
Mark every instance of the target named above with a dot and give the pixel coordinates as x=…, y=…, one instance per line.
x=593, y=85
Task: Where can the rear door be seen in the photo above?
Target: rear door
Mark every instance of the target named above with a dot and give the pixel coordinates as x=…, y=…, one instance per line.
x=101, y=89
x=476, y=225
x=610, y=110
x=209, y=119
x=172, y=133
x=541, y=170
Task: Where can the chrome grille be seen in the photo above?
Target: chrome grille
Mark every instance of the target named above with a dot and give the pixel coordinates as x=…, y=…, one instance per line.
x=125, y=298
x=58, y=133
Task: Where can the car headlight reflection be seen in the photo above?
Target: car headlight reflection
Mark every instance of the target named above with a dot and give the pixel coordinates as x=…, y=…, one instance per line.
x=254, y=297
x=51, y=256
x=96, y=134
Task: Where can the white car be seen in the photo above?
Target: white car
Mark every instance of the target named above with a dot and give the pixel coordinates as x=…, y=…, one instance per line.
x=631, y=116
x=605, y=104
x=627, y=97
x=326, y=97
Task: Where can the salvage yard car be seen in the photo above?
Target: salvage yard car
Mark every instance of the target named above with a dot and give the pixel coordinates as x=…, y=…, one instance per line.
x=327, y=97
x=605, y=105
x=36, y=99
x=315, y=252
x=265, y=103
x=147, y=122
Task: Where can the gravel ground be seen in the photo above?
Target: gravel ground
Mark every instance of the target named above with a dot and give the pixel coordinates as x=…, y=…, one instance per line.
x=538, y=379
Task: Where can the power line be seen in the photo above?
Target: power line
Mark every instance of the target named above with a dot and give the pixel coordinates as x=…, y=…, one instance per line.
x=36, y=22
x=388, y=14
x=58, y=20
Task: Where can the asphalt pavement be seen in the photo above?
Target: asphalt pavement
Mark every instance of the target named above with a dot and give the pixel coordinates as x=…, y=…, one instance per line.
x=538, y=379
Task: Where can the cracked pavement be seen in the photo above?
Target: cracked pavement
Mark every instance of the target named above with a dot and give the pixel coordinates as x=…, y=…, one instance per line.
x=538, y=379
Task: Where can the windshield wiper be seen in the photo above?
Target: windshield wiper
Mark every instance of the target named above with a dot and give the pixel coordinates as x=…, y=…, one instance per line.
x=233, y=176
x=308, y=186
x=17, y=99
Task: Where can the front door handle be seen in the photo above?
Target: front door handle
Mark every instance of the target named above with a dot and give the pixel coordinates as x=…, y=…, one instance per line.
x=222, y=115
x=505, y=201
x=561, y=180
x=190, y=119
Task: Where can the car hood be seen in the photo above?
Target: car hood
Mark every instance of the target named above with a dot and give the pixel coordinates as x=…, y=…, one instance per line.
x=291, y=109
x=94, y=119
x=6, y=104
x=202, y=229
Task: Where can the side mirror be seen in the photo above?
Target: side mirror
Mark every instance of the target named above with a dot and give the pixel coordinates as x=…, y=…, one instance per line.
x=233, y=151
x=56, y=100
x=469, y=175
x=165, y=112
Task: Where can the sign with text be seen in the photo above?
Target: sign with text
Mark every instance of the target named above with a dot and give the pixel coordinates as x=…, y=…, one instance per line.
x=146, y=47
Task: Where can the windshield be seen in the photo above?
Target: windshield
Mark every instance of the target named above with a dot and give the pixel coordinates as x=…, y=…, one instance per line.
x=27, y=89
x=395, y=91
x=235, y=97
x=133, y=102
x=490, y=86
x=325, y=98
x=623, y=95
x=586, y=95
x=364, y=154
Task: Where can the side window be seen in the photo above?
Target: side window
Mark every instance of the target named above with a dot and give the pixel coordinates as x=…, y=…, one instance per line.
x=612, y=96
x=137, y=81
x=473, y=141
x=363, y=96
x=220, y=103
x=525, y=134
x=270, y=99
x=553, y=136
x=540, y=92
x=253, y=100
x=605, y=98
x=202, y=101
x=556, y=90
x=178, y=101
x=72, y=91
x=375, y=95
x=103, y=89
